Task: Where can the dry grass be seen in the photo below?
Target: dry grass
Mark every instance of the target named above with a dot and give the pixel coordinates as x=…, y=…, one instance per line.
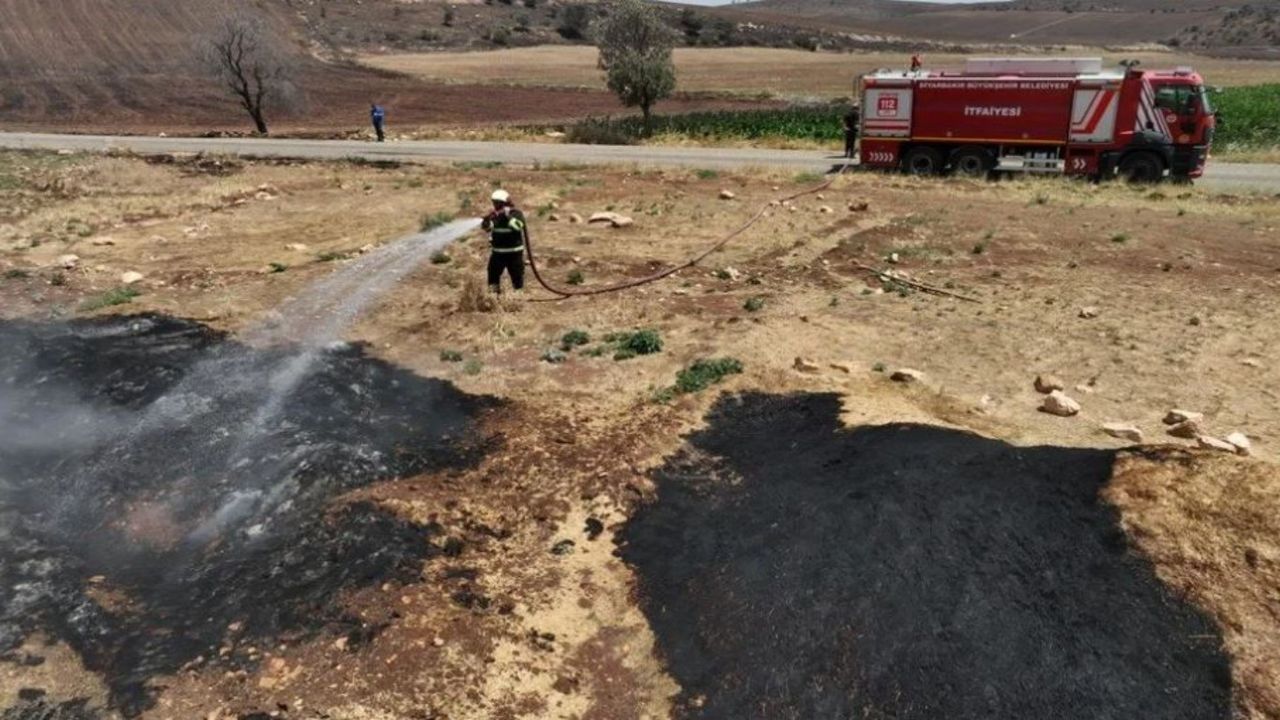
x=1047, y=252
x=1209, y=524
x=746, y=71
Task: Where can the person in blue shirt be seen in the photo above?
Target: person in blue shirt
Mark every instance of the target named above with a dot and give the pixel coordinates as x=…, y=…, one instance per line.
x=379, y=117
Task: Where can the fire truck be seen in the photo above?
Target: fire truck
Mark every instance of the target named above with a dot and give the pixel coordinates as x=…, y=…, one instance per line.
x=1064, y=116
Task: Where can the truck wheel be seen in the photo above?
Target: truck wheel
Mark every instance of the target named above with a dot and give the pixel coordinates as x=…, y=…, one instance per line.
x=972, y=162
x=1141, y=167
x=922, y=160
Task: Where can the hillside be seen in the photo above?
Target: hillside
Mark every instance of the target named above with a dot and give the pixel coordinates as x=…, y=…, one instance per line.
x=135, y=67
x=1251, y=26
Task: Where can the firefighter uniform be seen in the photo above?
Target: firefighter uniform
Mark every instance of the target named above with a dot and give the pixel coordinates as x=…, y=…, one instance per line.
x=506, y=228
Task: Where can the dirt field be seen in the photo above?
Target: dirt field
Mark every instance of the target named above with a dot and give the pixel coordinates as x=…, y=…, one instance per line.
x=1154, y=584
x=747, y=71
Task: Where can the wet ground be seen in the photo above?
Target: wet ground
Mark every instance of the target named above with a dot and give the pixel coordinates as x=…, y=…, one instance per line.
x=794, y=568
x=161, y=507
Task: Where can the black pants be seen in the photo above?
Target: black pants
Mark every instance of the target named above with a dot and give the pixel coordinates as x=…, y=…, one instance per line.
x=377, y=127
x=850, y=142
x=512, y=263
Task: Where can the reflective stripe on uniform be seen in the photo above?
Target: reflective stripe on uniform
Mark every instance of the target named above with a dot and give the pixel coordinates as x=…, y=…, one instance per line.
x=507, y=250
x=516, y=224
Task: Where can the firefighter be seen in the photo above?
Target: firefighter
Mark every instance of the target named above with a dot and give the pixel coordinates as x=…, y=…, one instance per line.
x=850, y=131
x=507, y=233
x=915, y=63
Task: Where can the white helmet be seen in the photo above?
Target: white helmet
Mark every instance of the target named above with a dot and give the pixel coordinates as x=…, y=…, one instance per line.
x=501, y=196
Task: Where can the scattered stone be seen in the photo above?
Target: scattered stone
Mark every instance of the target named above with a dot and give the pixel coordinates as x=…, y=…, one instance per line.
x=733, y=273
x=727, y=194
x=1086, y=389
x=341, y=643
x=553, y=217
x=858, y=206
x=437, y=641
x=1046, y=384
x=845, y=368
x=366, y=248
x=1088, y=313
x=805, y=365
x=613, y=218
x=102, y=241
x=1194, y=321
x=1241, y=443
x=564, y=547
x=820, y=196
x=893, y=258
x=68, y=262
x=825, y=209
x=593, y=528
x=906, y=375
x=131, y=277
x=774, y=203
x=575, y=218
x=1187, y=430
x=1212, y=443
x=1060, y=404
x=1177, y=416
x=1123, y=431
x=296, y=247
x=1251, y=362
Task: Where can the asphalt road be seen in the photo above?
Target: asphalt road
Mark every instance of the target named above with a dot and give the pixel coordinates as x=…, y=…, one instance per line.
x=1219, y=176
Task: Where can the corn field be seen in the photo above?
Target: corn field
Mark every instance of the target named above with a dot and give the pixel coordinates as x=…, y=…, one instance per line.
x=821, y=123
x=1248, y=117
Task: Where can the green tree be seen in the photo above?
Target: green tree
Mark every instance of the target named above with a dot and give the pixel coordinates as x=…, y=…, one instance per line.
x=635, y=54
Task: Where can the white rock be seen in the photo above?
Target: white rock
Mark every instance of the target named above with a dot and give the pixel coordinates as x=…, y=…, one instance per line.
x=102, y=241
x=613, y=218
x=1088, y=312
x=297, y=247
x=733, y=273
x=1177, y=416
x=1060, y=404
x=893, y=258
x=68, y=262
x=131, y=277
x=1212, y=443
x=1241, y=443
x=1251, y=362
x=553, y=218
x=1123, y=431
x=845, y=368
x=825, y=209
x=727, y=194
x=1046, y=384
x=805, y=365
x=906, y=375
x=575, y=218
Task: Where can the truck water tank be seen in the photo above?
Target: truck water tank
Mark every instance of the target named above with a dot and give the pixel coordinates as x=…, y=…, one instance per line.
x=1033, y=66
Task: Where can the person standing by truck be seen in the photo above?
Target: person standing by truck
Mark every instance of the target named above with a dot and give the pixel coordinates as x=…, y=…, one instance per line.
x=851, y=131
x=379, y=118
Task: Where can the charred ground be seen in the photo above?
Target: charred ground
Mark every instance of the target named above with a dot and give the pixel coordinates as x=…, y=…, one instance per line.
x=159, y=559
x=794, y=568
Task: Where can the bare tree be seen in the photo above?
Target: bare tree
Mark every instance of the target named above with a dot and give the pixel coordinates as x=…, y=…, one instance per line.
x=247, y=58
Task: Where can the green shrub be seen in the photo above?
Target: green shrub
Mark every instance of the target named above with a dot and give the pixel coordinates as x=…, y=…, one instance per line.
x=441, y=258
x=573, y=339
x=640, y=342
x=473, y=367
x=706, y=174
x=1248, y=117
x=1120, y=237
x=705, y=372
x=16, y=274
x=554, y=356
x=118, y=296
x=452, y=356
x=601, y=132
x=278, y=267
x=575, y=277
x=753, y=304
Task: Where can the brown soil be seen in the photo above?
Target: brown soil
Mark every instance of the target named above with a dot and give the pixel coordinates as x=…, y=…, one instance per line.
x=1185, y=285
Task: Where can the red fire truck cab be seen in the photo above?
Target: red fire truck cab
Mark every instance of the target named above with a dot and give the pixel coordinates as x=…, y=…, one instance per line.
x=1037, y=115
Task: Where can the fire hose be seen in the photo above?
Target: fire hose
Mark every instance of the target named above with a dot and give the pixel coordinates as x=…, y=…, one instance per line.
x=563, y=293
